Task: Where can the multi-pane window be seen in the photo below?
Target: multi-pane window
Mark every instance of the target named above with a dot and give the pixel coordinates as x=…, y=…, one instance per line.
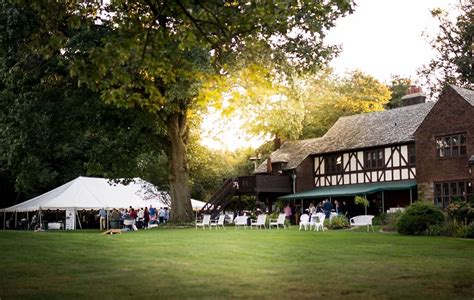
x=333, y=164
x=445, y=192
x=374, y=159
x=451, y=145
x=411, y=155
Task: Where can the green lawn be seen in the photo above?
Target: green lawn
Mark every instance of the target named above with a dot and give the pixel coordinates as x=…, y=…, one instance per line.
x=276, y=264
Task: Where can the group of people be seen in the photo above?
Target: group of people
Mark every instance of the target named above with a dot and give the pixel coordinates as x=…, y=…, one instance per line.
x=142, y=217
x=325, y=206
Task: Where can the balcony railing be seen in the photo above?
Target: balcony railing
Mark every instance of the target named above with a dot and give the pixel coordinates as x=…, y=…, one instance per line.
x=265, y=184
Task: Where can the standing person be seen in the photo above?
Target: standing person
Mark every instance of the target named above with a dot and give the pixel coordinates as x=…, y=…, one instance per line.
x=327, y=206
x=312, y=209
x=146, y=217
x=133, y=214
x=103, y=218
x=347, y=211
x=319, y=208
x=287, y=211
x=167, y=215
x=161, y=215
x=152, y=212
x=343, y=208
x=140, y=217
x=337, y=207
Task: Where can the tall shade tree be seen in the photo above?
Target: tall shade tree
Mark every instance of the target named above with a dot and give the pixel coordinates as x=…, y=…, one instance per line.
x=158, y=54
x=454, y=63
x=51, y=131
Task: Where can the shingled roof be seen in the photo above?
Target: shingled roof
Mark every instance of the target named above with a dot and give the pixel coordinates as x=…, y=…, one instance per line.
x=387, y=127
x=468, y=95
x=291, y=154
x=353, y=132
x=360, y=131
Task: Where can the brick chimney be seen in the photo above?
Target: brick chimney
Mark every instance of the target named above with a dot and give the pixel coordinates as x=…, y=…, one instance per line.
x=414, y=96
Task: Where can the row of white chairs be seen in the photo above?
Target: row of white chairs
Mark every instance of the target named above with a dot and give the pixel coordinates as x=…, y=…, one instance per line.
x=242, y=221
x=316, y=221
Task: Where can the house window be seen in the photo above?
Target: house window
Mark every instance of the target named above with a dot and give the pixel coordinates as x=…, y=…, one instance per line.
x=446, y=192
x=411, y=155
x=374, y=159
x=333, y=164
x=451, y=145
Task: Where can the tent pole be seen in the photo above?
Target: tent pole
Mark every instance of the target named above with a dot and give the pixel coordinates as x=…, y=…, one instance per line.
x=16, y=216
x=107, y=220
x=411, y=196
x=27, y=220
x=78, y=219
x=4, y=215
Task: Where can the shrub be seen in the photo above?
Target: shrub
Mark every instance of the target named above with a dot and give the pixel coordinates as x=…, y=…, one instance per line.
x=339, y=222
x=380, y=219
x=418, y=217
x=390, y=221
x=470, y=231
x=460, y=210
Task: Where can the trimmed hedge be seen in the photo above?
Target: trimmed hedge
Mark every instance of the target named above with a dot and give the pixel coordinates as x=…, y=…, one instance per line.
x=418, y=218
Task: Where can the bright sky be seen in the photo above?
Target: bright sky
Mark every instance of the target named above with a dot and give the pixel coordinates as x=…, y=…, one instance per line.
x=384, y=37
x=381, y=38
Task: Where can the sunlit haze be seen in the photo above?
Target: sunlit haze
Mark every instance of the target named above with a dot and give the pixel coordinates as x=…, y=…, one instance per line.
x=381, y=38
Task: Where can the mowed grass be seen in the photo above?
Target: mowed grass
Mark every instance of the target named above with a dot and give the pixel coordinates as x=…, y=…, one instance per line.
x=276, y=264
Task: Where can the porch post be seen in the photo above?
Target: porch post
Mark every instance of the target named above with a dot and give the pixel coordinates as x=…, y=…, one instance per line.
x=365, y=206
x=383, y=201
x=302, y=210
x=411, y=196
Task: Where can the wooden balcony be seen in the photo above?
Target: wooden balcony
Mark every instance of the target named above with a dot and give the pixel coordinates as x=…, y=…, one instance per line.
x=265, y=184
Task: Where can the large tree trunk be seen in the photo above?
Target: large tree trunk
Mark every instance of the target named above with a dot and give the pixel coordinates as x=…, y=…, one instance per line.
x=181, y=210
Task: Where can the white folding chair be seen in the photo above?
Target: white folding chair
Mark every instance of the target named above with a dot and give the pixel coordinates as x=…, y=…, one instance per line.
x=304, y=221
x=219, y=222
x=261, y=220
x=278, y=222
x=240, y=221
x=206, y=221
x=319, y=222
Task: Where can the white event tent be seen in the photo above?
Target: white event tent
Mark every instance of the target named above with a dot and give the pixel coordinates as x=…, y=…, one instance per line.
x=95, y=193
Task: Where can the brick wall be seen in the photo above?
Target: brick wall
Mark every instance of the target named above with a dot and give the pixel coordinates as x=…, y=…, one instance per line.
x=452, y=114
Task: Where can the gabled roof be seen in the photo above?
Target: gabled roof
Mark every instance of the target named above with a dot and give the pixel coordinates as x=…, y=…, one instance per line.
x=467, y=94
x=375, y=129
x=291, y=153
x=354, y=132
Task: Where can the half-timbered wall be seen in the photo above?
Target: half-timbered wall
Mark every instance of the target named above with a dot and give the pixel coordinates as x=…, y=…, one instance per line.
x=396, y=167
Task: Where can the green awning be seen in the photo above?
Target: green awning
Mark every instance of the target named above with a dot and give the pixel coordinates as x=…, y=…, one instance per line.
x=352, y=189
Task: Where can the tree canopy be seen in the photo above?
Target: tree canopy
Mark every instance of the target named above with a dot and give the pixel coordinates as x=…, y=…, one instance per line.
x=157, y=55
x=305, y=107
x=453, y=45
x=51, y=130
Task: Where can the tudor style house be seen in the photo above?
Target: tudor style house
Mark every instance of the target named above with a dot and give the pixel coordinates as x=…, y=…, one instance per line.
x=419, y=151
x=423, y=150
